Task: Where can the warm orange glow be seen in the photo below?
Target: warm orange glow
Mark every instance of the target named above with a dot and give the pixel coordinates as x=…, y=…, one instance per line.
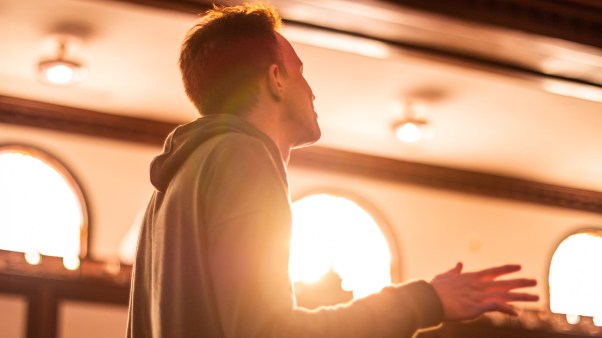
x=334, y=233
x=576, y=276
x=39, y=211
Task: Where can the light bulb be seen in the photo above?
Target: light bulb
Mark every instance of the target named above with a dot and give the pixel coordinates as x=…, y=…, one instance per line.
x=71, y=262
x=60, y=72
x=33, y=257
x=409, y=132
x=573, y=319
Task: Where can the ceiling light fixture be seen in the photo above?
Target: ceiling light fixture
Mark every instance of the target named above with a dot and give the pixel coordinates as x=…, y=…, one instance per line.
x=411, y=129
x=60, y=71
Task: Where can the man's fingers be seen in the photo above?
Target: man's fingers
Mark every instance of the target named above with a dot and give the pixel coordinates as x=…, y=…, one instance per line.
x=510, y=284
x=511, y=297
x=467, y=295
x=495, y=272
x=499, y=302
x=456, y=269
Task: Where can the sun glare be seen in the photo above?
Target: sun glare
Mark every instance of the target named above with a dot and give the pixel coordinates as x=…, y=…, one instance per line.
x=335, y=233
x=576, y=276
x=39, y=211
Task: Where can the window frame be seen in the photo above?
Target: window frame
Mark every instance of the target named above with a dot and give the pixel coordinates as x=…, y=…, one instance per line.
x=588, y=229
x=383, y=225
x=58, y=165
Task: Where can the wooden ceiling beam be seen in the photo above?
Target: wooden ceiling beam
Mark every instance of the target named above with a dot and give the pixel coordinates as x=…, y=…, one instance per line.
x=572, y=20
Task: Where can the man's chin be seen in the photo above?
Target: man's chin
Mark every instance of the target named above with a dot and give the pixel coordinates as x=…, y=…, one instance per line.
x=310, y=141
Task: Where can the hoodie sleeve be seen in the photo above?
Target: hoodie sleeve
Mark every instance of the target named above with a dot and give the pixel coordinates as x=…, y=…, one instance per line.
x=248, y=223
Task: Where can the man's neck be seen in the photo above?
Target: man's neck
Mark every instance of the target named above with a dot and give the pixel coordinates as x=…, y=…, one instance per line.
x=270, y=127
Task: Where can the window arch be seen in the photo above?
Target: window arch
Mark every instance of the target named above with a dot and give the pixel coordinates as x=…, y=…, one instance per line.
x=576, y=276
x=336, y=241
x=42, y=208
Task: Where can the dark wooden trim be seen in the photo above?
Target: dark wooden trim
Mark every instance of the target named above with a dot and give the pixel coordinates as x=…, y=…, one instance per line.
x=438, y=177
x=45, y=294
x=46, y=285
x=573, y=20
x=39, y=313
x=42, y=319
x=73, y=120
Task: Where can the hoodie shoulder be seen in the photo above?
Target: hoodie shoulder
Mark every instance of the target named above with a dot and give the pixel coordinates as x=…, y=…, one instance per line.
x=235, y=149
x=226, y=131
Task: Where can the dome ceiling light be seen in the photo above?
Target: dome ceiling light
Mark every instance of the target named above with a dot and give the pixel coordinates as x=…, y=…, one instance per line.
x=60, y=71
x=411, y=129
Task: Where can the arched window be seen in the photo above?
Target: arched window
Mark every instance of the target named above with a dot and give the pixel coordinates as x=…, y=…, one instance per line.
x=575, y=278
x=336, y=242
x=42, y=209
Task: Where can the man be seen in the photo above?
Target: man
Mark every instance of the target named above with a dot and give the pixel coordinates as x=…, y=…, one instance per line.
x=212, y=256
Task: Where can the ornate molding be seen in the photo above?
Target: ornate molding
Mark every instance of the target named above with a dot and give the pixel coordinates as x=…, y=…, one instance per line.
x=74, y=120
x=91, y=123
x=573, y=20
x=437, y=177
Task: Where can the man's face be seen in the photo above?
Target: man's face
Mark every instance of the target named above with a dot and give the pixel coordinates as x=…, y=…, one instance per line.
x=302, y=126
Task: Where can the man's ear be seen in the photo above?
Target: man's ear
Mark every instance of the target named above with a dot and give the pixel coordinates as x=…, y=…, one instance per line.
x=275, y=83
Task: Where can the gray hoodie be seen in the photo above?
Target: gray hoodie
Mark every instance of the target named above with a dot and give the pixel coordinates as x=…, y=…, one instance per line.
x=212, y=257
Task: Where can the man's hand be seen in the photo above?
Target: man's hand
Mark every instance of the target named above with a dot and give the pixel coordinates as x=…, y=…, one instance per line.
x=467, y=295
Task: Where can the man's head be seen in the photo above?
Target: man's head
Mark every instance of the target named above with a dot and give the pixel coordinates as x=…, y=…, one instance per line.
x=225, y=55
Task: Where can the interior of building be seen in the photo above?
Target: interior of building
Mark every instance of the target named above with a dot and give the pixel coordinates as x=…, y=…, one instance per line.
x=452, y=131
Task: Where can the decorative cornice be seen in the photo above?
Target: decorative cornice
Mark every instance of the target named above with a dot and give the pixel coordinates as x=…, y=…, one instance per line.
x=438, y=177
x=573, y=20
x=73, y=120
x=81, y=121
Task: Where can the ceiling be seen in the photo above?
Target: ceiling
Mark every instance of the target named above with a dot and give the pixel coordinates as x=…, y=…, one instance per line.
x=490, y=93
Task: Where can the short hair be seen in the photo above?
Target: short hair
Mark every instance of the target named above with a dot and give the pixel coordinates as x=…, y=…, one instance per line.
x=225, y=54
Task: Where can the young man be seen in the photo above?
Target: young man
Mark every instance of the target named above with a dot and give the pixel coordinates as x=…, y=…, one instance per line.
x=212, y=256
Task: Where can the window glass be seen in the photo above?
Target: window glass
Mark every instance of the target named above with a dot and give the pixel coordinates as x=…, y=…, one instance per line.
x=42, y=210
x=334, y=240
x=576, y=276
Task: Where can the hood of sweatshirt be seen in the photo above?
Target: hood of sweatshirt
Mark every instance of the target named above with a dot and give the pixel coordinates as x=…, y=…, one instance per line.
x=183, y=140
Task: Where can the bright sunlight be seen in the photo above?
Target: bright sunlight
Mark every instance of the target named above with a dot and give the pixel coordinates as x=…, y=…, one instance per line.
x=576, y=276
x=39, y=211
x=332, y=232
